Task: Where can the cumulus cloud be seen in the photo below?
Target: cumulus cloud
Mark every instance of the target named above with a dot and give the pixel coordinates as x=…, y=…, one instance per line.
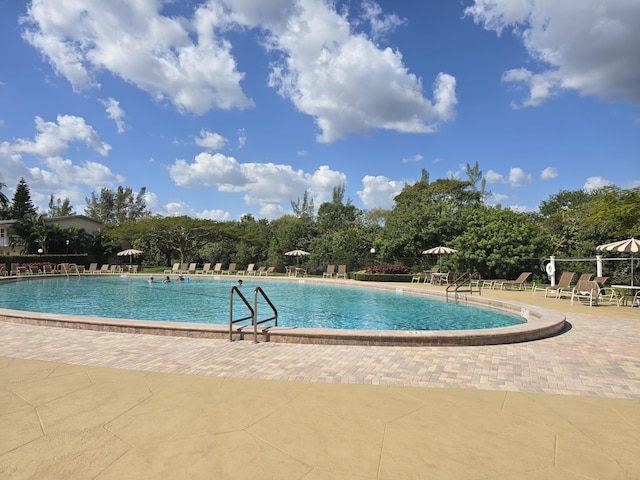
x=519, y=178
x=55, y=174
x=548, y=173
x=115, y=113
x=182, y=60
x=216, y=214
x=211, y=140
x=263, y=183
x=494, y=177
x=594, y=183
x=588, y=46
x=379, y=191
x=54, y=138
x=323, y=66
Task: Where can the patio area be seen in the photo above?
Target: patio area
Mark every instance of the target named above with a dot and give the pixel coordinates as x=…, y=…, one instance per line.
x=87, y=404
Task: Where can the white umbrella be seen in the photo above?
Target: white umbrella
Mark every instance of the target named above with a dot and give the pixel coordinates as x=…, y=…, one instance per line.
x=130, y=253
x=631, y=245
x=439, y=251
x=297, y=254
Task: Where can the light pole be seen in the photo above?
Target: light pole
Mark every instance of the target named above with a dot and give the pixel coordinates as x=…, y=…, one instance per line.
x=67, y=243
x=373, y=258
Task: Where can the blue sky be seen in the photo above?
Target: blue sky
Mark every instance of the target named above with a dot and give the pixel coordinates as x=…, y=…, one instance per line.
x=228, y=107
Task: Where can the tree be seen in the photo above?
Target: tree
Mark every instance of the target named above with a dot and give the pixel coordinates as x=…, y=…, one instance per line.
x=499, y=243
x=4, y=201
x=22, y=206
x=117, y=207
x=332, y=216
x=60, y=208
x=425, y=215
x=306, y=210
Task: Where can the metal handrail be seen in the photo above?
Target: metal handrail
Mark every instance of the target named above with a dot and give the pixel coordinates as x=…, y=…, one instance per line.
x=231, y=320
x=462, y=280
x=255, y=312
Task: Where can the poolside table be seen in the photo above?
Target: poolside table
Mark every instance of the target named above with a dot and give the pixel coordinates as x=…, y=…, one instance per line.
x=631, y=292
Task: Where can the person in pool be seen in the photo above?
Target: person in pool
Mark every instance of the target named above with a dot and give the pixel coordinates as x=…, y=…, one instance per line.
x=180, y=278
x=239, y=283
x=150, y=279
x=166, y=279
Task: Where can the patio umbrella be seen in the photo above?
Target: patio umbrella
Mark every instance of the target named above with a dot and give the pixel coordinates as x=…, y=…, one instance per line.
x=297, y=254
x=130, y=253
x=439, y=251
x=631, y=245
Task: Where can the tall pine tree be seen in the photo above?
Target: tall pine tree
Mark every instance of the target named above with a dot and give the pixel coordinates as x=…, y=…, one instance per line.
x=22, y=206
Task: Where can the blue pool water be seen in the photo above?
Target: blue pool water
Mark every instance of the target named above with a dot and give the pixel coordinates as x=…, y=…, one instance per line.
x=299, y=304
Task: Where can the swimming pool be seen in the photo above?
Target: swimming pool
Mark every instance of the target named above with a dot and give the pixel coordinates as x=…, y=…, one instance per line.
x=300, y=304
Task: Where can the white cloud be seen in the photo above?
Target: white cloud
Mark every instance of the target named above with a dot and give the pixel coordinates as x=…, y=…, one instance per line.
x=589, y=46
x=55, y=174
x=415, y=158
x=217, y=214
x=115, y=113
x=519, y=178
x=499, y=198
x=324, y=67
x=494, y=177
x=548, y=173
x=594, y=183
x=54, y=138
x=379, y=192
x=263, y=183
x=210, y=140
x=176, y=209
x=380, y=23
x=172, y=58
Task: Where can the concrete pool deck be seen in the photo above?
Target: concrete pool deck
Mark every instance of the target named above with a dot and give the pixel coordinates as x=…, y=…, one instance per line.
x=89, y=404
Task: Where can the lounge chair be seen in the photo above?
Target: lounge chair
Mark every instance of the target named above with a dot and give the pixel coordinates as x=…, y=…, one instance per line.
x=231, y=269
x=34, y=270
x=260, y=271
x=175, y=269
x=47, y=269
x=588, y=290
x=184, y=267
x=3, y=270
x=249, y=271
x=518, y=283
x=104, y=268
x=330, y=272
x=93, y=268
x=14, y=268
x=205, y=269
x=268, y=271
x=564, y=283
x=568, y=292
x=191, y=269
x=342, y=271
x=217, y=269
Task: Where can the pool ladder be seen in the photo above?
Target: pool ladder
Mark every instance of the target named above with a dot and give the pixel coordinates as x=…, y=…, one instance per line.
x=467, y=278
x=254, y=311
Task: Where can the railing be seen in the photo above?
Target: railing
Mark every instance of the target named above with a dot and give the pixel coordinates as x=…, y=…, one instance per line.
x=465, y=278
x=254, y=311
x=231, y=320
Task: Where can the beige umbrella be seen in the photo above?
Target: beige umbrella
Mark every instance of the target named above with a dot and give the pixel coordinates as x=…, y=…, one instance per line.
x=630, y=245
x=439, y=251
x=130, y=253
x=297, y=254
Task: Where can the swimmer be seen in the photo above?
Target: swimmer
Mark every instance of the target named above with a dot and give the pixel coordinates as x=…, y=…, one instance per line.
x=150, y=279
x=239, y=283
x=166, y=279
x=180, y=278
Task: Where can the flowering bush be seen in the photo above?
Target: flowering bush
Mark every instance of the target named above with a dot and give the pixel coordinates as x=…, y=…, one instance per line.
x=388, y=269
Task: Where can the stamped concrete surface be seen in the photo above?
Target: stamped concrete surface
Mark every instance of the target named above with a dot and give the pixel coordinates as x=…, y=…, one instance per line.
x=101, y=405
